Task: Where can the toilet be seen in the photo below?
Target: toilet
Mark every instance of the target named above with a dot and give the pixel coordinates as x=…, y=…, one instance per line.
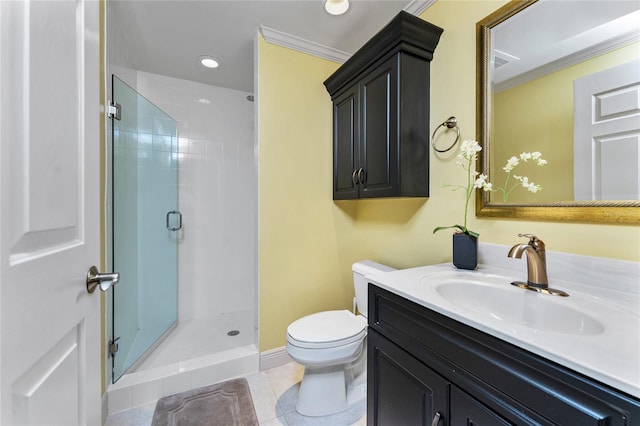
x=332, y=347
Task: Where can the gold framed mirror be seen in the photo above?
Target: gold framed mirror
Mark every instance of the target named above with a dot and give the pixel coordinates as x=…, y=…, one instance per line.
x=562, y=197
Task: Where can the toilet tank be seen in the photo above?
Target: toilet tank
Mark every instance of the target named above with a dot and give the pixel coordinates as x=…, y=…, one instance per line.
x=360, y=270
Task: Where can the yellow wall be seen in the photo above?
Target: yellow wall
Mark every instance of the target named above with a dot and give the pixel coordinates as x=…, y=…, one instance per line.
x=540, y=118
x=307, y=242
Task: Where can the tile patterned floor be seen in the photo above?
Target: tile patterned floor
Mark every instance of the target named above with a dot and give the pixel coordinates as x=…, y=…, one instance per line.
x=274, y=394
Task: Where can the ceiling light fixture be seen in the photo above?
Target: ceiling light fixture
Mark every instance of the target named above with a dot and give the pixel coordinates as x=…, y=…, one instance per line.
x=209, y=62
x=336, y=7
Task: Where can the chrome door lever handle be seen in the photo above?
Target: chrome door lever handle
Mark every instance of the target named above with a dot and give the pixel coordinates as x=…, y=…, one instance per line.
x=104, y=281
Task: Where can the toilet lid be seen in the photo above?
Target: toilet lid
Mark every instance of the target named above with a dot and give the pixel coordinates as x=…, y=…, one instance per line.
x=326, y=327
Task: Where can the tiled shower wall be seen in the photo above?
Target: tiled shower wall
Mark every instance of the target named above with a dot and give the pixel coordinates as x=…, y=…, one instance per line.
x=217, y=194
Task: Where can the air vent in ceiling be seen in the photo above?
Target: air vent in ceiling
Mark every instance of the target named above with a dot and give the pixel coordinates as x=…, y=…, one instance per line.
x=501, y=58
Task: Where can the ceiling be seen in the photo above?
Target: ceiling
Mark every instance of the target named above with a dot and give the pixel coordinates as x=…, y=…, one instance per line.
x=542, y=34
x=167, y=36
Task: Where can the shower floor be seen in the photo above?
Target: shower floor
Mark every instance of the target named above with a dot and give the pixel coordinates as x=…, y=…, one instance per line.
x=200, y=337
x=196, y=353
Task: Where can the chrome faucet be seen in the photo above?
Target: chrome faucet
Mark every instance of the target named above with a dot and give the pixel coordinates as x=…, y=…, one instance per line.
x=536, y=266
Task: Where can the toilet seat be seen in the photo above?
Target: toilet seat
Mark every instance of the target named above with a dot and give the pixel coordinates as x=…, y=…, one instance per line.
x=327, y=330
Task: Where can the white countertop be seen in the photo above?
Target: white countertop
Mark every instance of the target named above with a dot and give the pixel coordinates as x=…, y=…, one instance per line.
x=605, y=347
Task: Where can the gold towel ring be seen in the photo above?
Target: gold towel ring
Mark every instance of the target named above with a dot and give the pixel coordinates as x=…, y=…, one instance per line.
x=450, y=123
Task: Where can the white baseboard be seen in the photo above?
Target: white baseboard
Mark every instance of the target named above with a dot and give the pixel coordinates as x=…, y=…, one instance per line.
x=274, y=358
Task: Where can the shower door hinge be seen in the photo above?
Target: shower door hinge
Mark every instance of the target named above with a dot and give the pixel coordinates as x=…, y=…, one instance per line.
x=114, y=110
x=113, y=346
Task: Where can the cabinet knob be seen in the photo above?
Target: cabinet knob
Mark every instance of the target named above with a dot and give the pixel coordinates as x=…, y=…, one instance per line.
x=436, y=419
x=361, y=176
x=354, y=177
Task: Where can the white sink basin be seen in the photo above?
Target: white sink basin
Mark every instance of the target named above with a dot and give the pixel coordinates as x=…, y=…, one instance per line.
x=530, y=309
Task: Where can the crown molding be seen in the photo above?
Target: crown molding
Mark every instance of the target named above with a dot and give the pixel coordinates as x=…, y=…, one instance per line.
x=569, y=60
x=416, y=7
x=280, y=38
x=302, y=45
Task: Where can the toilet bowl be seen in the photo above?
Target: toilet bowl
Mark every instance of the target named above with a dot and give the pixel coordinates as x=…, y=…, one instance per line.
x=332, y=347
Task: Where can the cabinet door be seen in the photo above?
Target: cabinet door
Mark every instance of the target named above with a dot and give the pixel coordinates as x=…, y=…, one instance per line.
x=379, y=131
x=401, y=390
x=345, y=144
x=466, y=411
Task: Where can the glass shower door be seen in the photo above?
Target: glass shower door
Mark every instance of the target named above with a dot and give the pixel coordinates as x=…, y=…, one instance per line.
x=145, y=226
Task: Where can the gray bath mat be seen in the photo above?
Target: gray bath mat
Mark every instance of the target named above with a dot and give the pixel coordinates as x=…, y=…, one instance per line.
x=223, y=404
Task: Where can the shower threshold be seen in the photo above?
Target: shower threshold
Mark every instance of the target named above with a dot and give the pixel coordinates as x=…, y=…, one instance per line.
x=196, y=353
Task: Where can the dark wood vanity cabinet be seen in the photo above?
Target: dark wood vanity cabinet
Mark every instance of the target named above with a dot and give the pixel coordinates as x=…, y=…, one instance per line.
x=405, y=389
x=427, y=369
x=381, y=113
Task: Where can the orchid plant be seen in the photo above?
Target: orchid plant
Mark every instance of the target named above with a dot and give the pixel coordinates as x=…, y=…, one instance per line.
x=524, y=181
x=467, y=159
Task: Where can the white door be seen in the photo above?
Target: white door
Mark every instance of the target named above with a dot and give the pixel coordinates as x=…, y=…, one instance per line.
x=49, y=212
x=606, y=108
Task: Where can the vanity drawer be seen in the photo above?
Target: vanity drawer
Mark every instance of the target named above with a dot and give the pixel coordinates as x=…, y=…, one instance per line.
x=509, y=380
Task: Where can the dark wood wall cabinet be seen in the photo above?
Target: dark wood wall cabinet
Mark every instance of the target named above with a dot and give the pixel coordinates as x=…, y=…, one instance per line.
x=381, y=113
x=427, y=369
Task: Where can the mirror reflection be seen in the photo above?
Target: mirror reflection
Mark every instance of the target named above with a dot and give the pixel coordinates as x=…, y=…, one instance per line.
x=562, y=110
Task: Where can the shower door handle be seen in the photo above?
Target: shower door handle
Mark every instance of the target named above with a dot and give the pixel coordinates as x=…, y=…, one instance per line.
x=104, y=281
x=173, y=228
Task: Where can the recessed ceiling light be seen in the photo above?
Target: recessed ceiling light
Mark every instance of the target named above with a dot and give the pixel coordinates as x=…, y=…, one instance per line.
x=209, y=62
x=336, y=7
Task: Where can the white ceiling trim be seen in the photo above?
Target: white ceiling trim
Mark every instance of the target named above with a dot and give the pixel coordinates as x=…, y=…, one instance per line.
x=280, y=38
x=416, y=7
x=302, y=45
x=569, y=60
